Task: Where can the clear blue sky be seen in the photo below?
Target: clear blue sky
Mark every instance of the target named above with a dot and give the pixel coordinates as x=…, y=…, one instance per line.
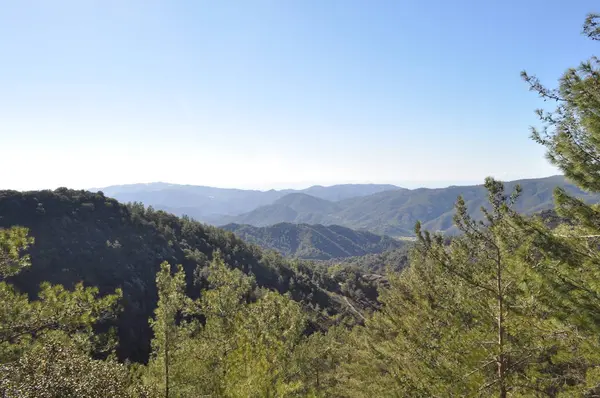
x=277, y=93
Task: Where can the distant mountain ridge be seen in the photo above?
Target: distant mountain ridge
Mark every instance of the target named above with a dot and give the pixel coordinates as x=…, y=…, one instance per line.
x=315, y=242
x=213, y=205
x=395, y=212
x=379, y=208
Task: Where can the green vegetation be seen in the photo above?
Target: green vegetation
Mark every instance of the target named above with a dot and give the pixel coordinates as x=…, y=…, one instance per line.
x=45, y=344
x=379, y=263
x=510, y=307
x=315, y=242
x=86, y=237
x=294, y=207
x=242, y=349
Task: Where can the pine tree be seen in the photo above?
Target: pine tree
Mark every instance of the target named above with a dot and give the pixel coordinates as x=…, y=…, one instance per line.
x=267, y=333
x=465, y=319
x=567, y=258
x=234, y=341
x=171, y=304
x=46, y=345
x=571, y=133
x=317, y=362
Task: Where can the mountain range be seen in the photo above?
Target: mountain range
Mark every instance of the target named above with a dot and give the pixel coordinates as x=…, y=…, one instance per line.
x=213, y=205
x=395, y=212
x=315, y=242
x=381, y=209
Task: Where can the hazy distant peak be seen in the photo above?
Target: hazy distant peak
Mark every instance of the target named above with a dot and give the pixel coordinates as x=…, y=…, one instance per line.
x=295, y=196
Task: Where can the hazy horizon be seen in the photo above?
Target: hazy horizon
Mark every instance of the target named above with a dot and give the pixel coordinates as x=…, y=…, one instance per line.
x=291, y=185
x=294, y=186
x=305, y=185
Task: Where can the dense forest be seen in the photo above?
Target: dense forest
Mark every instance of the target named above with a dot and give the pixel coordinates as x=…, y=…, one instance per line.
x=509, y=306
x=314, y=242
x=379, y=263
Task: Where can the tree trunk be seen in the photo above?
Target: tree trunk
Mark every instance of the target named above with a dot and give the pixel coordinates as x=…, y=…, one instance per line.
x=166, y=358
x=501, y=359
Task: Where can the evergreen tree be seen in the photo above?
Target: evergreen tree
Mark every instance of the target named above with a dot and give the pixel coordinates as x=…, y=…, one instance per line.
x=466, y=319
x=13, y=243
x=567, y=258
x=171, y=303
x=234, y=341
x=267, y=333
x=46, y=345
x=571, y=133
x=317, y=362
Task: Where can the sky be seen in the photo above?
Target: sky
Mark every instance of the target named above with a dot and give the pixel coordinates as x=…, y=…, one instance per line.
x=273, y=94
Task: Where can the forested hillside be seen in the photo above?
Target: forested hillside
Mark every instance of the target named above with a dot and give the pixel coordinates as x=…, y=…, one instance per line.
x=379, y=263
x=294, y=207
x=395, y=212
x=86, y=237
x=315, y=242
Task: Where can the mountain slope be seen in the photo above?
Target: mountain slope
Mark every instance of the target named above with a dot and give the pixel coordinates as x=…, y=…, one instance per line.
x=395, y=212
x=82, y=236
x=292, y=208
x=316, y=242
x=376, y=264
x=346, y=191
x=209, y=204
x=200, y=202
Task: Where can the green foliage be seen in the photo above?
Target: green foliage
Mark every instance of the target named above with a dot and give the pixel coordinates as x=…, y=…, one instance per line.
x=511, y=306
x=567, y=256
x=316, y=242
x=392, y=260
x=56, y=309
x=60, y=368
x=571, y=133
x=13, y=242
x=46, y=344
x=243, y=348
x=481, y=314
x=475, y=317
x=171, y=304
x=266, y=335
x=317, y=362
